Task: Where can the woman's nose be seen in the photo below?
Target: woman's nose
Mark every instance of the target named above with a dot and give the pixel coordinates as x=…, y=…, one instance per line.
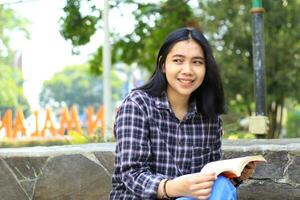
x=186, y=68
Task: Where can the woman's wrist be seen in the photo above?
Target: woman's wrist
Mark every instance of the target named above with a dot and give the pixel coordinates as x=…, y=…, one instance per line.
x=167, y=189
x=172, y=188
x=164, y=190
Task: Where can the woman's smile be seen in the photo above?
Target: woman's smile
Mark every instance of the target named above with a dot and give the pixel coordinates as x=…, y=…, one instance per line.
x=185, y=82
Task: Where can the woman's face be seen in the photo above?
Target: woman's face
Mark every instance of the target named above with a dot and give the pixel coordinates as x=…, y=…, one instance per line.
x=184, y=68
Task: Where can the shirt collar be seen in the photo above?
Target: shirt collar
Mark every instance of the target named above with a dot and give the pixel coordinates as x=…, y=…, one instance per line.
x=162, y=102
x=192, y=108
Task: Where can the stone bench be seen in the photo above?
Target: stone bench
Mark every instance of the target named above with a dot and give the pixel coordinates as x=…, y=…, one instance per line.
x=83, y=172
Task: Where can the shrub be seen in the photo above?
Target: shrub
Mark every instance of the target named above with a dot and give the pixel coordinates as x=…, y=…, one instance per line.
x=293, y=123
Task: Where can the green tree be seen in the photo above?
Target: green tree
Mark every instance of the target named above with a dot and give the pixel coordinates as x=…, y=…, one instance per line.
x=77, y=26
x=10, y=22
x=75, y=85
x=293, y=122
x=11, y=91
x=153, y=22
x=229, y=26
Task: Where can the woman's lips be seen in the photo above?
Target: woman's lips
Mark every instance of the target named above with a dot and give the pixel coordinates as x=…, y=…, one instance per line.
x=185, y=82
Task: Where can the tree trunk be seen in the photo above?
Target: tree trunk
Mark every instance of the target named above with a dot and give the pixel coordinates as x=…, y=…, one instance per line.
x=275, y=113
x=279, y=121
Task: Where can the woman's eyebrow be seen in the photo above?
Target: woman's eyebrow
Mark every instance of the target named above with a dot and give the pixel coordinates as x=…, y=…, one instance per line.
x=182, y=56
x=178, y=55
x=199, y=57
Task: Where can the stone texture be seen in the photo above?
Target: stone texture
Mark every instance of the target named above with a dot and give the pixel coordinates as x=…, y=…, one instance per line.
x=279, y=144
x=10, y=189
x=276, y=162
x=294, y=170
x=28, y=187
x=72, y=177
x=267, y=189
x=106, y=158
x=26, y=167
x=83, y=172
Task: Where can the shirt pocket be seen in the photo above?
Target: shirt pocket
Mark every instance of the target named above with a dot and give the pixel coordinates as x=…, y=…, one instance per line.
x=200, y=156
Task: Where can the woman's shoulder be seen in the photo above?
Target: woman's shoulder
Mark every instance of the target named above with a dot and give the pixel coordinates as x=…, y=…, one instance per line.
x=139, y=97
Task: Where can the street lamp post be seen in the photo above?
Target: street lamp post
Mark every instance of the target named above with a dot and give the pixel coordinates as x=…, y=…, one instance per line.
x=259, y=123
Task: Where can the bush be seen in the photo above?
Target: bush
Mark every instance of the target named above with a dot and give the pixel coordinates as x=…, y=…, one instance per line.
x=293, y=123
x=70, y=139
x=33, y=141
x=240, y=135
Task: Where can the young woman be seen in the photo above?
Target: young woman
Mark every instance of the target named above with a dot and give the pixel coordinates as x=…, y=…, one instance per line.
x=168, y=129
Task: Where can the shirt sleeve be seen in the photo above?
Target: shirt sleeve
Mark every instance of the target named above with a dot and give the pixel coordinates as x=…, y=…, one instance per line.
x=216, y=154
x=133, y=151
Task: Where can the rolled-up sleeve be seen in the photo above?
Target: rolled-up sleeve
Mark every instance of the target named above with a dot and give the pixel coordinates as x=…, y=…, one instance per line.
x=133, y=151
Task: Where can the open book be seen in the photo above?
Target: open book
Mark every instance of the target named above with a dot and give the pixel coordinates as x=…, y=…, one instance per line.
x=231, y=167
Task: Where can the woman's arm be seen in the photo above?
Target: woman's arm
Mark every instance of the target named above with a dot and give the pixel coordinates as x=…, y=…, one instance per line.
x=133, y=151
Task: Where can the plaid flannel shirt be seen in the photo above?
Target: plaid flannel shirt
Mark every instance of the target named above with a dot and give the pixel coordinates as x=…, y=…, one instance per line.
x=152, y=144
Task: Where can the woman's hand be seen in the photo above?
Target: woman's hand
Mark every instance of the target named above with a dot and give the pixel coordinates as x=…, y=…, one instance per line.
x=248, y=171
x=195, y=185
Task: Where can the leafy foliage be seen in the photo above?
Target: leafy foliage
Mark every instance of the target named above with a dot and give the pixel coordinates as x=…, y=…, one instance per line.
x=293, y=123
x=229, y=26
x=229, y=29
x=9, y=22
x=9, y=85
x=153, y=23
x=72, y=139
x=78, y=27
x=11, y=91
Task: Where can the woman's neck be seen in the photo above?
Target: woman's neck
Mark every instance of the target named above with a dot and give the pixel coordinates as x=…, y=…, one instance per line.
x=179, y=104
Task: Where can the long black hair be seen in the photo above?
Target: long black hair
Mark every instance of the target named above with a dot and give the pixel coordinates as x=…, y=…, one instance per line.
x=209, y=95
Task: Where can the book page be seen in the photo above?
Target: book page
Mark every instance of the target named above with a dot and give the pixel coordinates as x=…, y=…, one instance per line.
x=234, y=166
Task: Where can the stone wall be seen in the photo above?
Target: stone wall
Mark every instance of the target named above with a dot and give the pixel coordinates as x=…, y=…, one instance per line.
x=83, y=172
x=279, y=178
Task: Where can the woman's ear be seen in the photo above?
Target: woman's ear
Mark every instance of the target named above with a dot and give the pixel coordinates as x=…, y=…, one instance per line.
x=163, y=68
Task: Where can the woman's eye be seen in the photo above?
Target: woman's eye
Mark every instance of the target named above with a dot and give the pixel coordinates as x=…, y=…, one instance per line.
x=199, y=62
x=177, y=61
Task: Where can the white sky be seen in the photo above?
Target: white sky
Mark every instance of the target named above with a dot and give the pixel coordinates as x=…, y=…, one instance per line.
x=47, y=52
